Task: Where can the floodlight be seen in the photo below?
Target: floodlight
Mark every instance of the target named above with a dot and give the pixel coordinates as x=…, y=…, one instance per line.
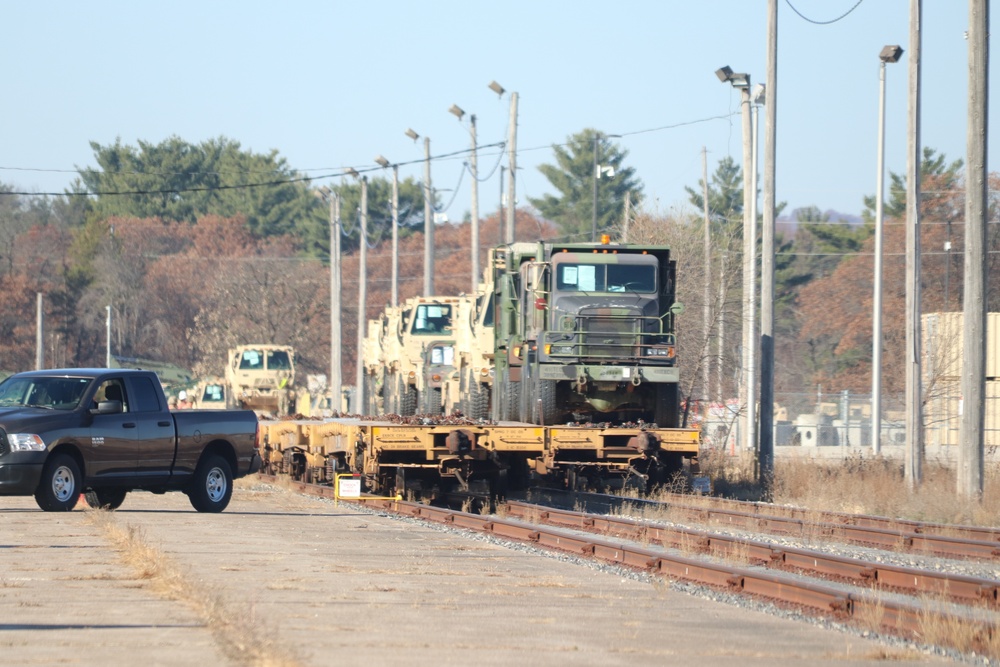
x=890, y=53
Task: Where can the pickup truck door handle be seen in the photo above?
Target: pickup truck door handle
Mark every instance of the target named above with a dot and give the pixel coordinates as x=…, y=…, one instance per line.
x=163, y=423
x=128, y=425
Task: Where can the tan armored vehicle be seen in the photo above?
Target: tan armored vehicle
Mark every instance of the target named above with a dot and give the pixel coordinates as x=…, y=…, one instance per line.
x=261, y=378
x=211, y=395
x=468, y=388
x=417, y=354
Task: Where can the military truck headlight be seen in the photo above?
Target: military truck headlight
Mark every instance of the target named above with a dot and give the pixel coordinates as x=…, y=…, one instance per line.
x=665, y=352
x=25, y=442
x=560, y=349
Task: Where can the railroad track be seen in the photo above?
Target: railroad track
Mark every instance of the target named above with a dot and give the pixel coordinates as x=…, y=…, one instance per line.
x=949, y=541
x=906, y=601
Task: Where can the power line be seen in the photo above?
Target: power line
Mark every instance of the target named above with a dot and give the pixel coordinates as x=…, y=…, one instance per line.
x=806, y=18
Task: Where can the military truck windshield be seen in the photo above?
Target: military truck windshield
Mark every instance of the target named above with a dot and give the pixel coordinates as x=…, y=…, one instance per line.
x=277, y=360
x=432, y=318
x=254, y=360
x=213, y=392
x=606, y=278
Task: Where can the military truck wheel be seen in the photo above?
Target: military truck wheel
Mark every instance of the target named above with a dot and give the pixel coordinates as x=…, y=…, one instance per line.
x=545, y=410
x=212, y=486
x=666, y=412
x=59, y=488
x=511, y=401
x=105, y=499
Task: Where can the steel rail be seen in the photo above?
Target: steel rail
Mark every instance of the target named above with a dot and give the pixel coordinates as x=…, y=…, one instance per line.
x=806, y=525
x=867, y=573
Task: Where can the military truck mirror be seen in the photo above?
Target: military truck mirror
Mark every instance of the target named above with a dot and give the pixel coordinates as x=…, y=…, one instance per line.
x=677, y=308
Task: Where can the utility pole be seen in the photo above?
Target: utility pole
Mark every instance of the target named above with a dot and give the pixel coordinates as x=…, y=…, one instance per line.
x=336, y=353
x=914, y=411
x=971, y=451
x=359, y=405
x=707, y=308
x=594, y=174
x=628, y=214
x=107, y=361
x=766, y=456
x=512, y=177
x=428, y=222
x=39, y=332
x=500, y=220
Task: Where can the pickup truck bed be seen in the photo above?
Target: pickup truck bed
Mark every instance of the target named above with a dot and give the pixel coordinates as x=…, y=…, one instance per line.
x=105, y=432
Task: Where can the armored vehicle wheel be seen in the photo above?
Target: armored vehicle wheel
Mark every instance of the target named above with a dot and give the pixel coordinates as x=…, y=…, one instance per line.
x=478, y=398
x=105, y=499
x=431, y=401
x=59, y=488
x=407, y=400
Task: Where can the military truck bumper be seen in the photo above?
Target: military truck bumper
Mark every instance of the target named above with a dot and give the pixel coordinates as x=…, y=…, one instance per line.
x=634, y=374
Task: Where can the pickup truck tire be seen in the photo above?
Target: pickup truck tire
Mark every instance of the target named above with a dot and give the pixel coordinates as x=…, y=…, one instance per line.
x=212, y=486
x=59, y=488
x=105, y=499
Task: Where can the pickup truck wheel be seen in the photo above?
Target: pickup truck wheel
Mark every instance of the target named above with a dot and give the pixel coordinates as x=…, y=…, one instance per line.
x=212, y=486
x=59, y=488
x=105, y=499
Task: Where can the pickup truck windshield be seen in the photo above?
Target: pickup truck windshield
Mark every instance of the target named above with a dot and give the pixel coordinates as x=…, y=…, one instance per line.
x=55, y=393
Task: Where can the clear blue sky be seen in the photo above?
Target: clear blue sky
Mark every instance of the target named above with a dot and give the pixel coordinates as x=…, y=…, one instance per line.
x=331, y=84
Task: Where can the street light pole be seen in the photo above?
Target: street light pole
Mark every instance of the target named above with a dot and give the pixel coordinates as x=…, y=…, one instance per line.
x=360, y=406
x=382, y=162
x=889, y=54
x=428, y=216
x=336, y=351
x=748, y=396
x=459, y=113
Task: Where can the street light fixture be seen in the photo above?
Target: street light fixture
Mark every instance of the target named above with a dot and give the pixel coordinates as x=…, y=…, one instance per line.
x=741, y=81
x=889, y=54
x=411, y=134
x=497, y=88
x=457, y=111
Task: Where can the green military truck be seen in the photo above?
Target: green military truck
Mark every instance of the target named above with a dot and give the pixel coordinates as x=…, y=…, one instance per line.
x=585, y=332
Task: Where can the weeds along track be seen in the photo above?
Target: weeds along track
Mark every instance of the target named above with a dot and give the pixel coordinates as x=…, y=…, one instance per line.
x=921, y=603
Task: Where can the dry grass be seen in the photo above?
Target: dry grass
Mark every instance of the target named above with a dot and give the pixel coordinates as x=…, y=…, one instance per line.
x=238, y=632
x=858, y=485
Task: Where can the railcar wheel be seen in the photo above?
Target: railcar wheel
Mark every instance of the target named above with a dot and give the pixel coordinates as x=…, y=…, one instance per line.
x=212, y=486
x=105, y=499
x=59, y=488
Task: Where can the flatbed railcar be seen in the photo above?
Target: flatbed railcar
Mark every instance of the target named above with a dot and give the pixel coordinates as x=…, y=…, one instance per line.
x=440, y=456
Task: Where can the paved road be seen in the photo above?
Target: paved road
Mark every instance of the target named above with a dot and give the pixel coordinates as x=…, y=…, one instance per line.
x=318, y=584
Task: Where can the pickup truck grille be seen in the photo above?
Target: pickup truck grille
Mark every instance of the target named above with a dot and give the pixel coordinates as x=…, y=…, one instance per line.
x=4, y=447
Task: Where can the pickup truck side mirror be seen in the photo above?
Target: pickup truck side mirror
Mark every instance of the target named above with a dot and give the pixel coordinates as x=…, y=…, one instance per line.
x=107, y=408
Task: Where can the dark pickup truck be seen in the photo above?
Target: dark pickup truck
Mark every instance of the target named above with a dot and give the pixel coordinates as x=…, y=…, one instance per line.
x=104, y=432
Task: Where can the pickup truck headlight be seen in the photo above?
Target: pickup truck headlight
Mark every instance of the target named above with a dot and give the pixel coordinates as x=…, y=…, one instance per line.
x=25, y=442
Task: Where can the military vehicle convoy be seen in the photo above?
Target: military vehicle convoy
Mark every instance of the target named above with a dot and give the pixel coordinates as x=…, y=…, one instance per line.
x=261, y=378
x=561, y=369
